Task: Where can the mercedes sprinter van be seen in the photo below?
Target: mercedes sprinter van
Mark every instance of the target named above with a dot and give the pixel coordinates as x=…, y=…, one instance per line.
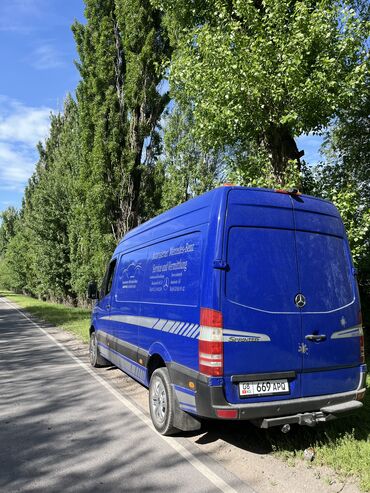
x=239, y=304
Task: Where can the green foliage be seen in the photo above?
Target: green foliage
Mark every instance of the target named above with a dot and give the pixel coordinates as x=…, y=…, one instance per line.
x=97, y=175
x=146, y=50
x=96, y=221
x=189, y=171
x=356, y=219
x=345, y=179
x=261, y=73
x=7, y=229
x=250, y=166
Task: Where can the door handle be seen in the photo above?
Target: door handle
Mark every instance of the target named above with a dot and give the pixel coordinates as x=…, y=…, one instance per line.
x=108, y=307
x=316, y=337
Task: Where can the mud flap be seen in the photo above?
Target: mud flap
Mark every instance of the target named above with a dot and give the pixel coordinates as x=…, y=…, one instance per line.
x=183, y=420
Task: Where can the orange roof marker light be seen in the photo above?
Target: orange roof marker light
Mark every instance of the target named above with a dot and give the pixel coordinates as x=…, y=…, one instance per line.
x=293, y=191
x=229, y=185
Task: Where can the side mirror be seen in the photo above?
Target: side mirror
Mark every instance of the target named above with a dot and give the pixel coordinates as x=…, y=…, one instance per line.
x=92, y=291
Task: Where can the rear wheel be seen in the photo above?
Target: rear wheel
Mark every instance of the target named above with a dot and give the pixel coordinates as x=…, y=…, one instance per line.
x=161, y=402
x=96, y=359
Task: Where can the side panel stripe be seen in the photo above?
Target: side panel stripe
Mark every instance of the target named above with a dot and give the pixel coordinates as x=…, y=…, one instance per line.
x=161, y=324
x=179, y=327
x=188, y=332
x=187, y=329
x=193, y=330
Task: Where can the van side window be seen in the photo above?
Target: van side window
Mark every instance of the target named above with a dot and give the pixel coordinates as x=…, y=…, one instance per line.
x=108, y=278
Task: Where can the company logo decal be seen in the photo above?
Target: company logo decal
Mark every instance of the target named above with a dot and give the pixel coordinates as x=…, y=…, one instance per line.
x=300, y=300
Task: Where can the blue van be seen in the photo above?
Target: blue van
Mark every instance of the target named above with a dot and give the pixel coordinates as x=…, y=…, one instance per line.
x=239, y=304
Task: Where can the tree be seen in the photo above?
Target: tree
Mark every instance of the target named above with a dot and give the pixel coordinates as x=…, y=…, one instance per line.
x=7, y=228
x=146, y=51
x=121, y=50
x=37, y=259
x=189, y=171
x=48, y=211
x=345, y=179
x=260, y=73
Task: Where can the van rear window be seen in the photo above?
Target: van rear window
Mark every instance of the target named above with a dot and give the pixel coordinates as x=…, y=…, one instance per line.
x=325, y=273
x=268, y=267
x=263, y=268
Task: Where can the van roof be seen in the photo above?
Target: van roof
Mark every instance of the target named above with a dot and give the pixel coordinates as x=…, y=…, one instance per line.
x=208, y=199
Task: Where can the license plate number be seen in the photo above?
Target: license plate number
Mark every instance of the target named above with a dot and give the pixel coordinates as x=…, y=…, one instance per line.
x=263, y=387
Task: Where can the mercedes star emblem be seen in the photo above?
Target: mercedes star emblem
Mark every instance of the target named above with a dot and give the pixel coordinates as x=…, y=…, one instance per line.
x=300, y=300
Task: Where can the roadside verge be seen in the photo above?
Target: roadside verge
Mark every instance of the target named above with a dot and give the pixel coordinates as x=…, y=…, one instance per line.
x=343, y=445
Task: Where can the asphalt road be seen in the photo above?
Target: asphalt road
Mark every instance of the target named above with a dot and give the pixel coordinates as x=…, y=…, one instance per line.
x=64, y=428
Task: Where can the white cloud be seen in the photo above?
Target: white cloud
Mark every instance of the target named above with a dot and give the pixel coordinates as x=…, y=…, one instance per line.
x=46, y=57
x=24, y=124
x=16, y=165
x=21, y=128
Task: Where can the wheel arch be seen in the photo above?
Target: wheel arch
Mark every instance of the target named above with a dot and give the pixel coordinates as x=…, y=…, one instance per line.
x=158, y=358
x=155, y=361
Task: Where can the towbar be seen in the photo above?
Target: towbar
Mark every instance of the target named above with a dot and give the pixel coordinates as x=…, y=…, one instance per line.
x=310, y=419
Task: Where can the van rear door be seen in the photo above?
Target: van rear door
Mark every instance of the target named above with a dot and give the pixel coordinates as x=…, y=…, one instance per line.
x=330, y=315
x=262, y=325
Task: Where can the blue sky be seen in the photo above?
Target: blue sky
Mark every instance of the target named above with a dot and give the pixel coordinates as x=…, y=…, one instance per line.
x=37, y=53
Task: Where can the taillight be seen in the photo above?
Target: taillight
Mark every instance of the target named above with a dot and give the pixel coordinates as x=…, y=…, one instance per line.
x=211, y=357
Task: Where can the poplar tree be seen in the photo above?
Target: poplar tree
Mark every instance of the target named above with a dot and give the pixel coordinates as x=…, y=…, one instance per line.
x=96, y=216
x=122, y=48
x=146, y=52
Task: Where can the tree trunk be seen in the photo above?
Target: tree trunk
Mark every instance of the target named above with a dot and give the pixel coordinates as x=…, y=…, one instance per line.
x=281, y=148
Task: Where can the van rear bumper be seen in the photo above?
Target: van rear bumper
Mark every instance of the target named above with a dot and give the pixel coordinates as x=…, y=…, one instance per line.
x=210, y=399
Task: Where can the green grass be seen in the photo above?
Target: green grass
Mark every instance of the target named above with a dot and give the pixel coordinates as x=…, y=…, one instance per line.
x=344, y=445
x=74, y=320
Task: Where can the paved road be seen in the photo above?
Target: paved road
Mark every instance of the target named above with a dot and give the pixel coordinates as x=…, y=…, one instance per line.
x=64, y=428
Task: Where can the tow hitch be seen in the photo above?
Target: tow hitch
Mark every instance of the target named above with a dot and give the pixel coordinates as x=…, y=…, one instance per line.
x=325, y=414
x=304, y=419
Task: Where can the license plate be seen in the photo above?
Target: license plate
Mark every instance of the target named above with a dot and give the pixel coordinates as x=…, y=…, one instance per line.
x=263, y=387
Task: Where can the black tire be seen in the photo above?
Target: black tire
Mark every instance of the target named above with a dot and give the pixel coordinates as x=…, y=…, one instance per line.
x=96, y=360
x=161, y=402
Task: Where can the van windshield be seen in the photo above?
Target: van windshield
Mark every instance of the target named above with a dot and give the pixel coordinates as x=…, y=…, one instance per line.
x=268, y=267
